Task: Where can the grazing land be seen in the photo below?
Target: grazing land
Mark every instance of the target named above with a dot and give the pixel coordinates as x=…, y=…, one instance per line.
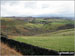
x=60, y=40
x=50, y=33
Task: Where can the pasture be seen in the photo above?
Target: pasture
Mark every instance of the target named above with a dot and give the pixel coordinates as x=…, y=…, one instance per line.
x=53, y=34
x=62, y=40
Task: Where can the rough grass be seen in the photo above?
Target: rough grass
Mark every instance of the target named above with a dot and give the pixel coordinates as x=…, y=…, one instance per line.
x=7, y=51
x=13, y=26
x=60, y=41
x=31, y=25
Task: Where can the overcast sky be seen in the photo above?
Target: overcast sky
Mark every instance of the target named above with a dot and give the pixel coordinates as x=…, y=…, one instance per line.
x=33, y=8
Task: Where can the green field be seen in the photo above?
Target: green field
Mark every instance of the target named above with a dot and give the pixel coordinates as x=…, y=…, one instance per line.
x=62, y=40
x=53, y=34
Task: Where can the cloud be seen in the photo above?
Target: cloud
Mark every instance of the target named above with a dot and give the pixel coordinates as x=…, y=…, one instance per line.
x=32, y=8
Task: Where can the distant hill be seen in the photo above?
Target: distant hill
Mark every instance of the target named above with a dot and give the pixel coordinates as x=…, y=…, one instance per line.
x=32, y=26
x=35, y=17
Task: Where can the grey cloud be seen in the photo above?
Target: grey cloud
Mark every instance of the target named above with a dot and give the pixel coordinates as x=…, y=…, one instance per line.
x=11, y=3
x=45, y=6
x=33, y=6
x=30, y=4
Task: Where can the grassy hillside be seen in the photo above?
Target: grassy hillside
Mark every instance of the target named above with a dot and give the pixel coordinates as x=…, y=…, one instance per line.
x=62, y=40
x=56, y=34
x=7, y=51
x=13, y=26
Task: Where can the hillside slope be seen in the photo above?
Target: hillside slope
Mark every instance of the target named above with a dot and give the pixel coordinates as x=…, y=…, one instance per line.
x=5, y=50
x=62, y=40
x=36, y=26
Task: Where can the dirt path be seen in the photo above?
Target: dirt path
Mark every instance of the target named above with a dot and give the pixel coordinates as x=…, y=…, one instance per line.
x=7, y=51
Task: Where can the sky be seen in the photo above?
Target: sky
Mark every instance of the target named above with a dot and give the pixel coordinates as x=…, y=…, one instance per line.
x=37, y=8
